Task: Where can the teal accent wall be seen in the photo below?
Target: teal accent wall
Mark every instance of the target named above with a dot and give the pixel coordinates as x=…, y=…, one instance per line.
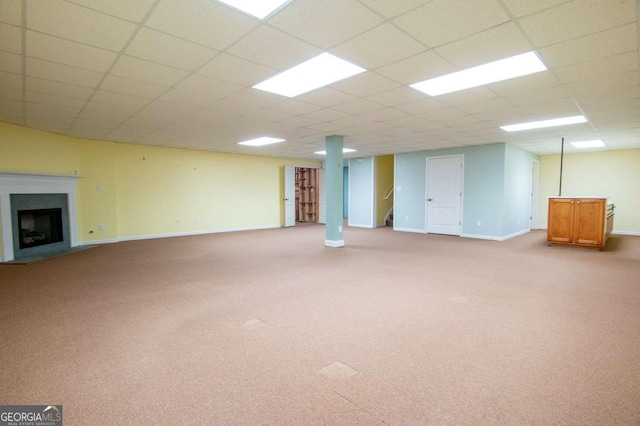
x=361, y=188
x=517, y=189
x=487, y=168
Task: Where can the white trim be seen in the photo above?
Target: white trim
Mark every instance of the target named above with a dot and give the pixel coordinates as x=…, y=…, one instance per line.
x=34, y=183
x=535, y=195
x=417, y=231
x=492, y=238
x=98, y=242
x=357, y=225
x=630, y=233
x=333, y=243
x=190, y=233
x=480, y=237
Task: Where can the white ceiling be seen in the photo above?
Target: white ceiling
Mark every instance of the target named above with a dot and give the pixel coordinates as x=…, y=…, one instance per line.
x=179, y=73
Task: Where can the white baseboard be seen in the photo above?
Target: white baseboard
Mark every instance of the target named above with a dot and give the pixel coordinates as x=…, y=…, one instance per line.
x=357, y=225
x=177, y=234
x=630, y=233
x=417, y=231
x=494, y=238
x=333, y=243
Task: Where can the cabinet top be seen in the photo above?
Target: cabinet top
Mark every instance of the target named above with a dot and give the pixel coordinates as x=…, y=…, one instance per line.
x=576, y=197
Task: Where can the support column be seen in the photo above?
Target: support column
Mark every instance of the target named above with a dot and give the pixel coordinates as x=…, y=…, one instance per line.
x=334, y=166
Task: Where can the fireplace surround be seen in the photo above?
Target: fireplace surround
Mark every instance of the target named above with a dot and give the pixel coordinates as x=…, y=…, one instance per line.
x=40, y=194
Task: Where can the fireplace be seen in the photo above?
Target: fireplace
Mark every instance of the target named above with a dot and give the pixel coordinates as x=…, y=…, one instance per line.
x=40, y=227
x=37, y=215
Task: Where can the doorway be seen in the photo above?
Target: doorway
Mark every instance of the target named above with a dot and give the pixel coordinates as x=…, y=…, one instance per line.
x=444, y=195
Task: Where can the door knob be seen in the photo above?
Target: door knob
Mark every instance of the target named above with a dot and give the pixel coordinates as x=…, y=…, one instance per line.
x=430, y=199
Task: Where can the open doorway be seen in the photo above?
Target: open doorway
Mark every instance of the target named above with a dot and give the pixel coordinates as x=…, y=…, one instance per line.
x=306, y=194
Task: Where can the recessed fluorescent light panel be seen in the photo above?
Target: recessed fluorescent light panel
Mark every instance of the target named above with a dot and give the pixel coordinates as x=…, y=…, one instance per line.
x=317, y=72
x=597, y=143
x=258, y=8
x=545, y=123
x=265, y=140
x=504, y=69
x=344, y=151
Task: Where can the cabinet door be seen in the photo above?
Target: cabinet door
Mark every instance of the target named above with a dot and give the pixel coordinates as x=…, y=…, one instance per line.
x=589, y=228
x=560, y=225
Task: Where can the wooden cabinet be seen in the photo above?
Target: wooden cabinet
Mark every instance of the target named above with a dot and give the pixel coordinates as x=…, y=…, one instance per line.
x=585, y=222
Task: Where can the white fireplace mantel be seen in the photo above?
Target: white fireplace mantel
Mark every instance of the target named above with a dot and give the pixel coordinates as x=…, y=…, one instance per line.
x=34, y=183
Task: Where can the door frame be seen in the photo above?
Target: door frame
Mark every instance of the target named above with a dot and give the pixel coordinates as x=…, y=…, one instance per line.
x=284, y=183
x=535, y=194
x=426, y=191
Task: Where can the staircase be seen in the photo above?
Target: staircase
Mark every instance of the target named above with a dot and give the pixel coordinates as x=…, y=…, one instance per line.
x=389, y=221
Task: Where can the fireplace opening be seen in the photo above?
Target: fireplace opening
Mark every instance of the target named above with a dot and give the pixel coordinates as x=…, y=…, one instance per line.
x=40, y=227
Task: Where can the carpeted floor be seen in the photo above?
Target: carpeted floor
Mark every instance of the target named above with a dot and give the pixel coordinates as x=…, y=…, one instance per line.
x=270, y=327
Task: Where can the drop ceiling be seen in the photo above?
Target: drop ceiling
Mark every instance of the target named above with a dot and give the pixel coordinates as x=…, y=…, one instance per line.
x=180, y=73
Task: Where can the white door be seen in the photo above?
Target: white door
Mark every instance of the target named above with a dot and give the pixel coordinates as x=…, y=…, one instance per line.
x=289, y=196
x=444, y=195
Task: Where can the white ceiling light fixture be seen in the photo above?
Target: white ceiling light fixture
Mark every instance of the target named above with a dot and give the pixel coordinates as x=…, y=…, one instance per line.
x=564, y=121
x=317, y=72
x=344, y=151
x=503, y=69
x=258, y=8
x=265, y=140
x=596, y=143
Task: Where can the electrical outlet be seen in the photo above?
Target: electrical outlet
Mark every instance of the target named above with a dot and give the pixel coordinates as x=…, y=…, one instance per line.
x=101, y=227
x=98, y=187
x=339, y=228
x=197, y=221
x=478, y=223
x=406, y=218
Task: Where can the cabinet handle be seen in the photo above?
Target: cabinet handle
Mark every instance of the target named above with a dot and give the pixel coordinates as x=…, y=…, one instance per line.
x=571, y=201
x=578, y=202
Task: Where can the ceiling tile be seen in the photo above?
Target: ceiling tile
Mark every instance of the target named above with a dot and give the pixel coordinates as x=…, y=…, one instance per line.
x=10, y=93
x=111, y=108
x=389, y=9
x=469, y=96
x=606, y=43
x=577, y=19
x=521, y=8
x=149, y=72
x=273, y=48
x=11, y=80
x=10, y=62
x=236, y=70
x=487, y=105
x=325, y=114
x=202, y=21
x=604, y=84
x=326, y=23
x=357, y=106
x=157, y=47
x=11, y=12
x=490, y=45
x=528, y=83
x=119, y=99
x=442, y=21
x=62, y=73
x=181, y=98
x=383, y=114
x=126, y=9
x=10, y=38
x=132, y=87
x=606, y=66
x=325, y=97
x=47, y=99
x=78, y=23
x=53, y=111
x=537, y=96
x=294, y=107
x=401, y=95
x=49, y=126
x=380, y=46
x=417, y=68
x=422, y=105
x=365, y=84
x=209, y=87
x=66, y=52
x=58, y=89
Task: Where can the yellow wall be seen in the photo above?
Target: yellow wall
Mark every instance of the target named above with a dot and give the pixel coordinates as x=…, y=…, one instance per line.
x=140, y=191
x=384, y=182
x=613, y=174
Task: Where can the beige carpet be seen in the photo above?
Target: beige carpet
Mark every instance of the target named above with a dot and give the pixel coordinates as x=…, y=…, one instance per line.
x=270, y=327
